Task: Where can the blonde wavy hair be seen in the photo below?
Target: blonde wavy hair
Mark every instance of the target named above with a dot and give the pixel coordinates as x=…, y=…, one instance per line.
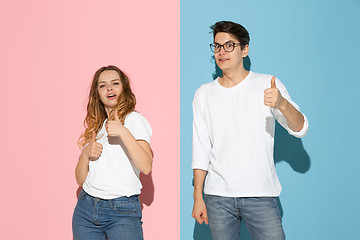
x=96, y=113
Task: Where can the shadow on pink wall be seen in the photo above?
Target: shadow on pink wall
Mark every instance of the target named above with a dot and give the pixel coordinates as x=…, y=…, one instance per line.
x=147, y=192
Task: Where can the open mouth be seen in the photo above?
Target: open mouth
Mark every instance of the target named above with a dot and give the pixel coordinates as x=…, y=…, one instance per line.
x=223, y=59
x=111, y=96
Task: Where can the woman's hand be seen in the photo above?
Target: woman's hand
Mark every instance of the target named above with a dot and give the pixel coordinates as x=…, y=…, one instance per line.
x=139, y=150
x=114, y=127
x=93, y=150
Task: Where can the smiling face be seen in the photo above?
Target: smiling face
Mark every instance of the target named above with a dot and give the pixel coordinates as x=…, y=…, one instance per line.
x=229, y=61
x=109, y=88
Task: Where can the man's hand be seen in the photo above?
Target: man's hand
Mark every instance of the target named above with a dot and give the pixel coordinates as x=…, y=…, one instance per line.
x=272, y=96
x=199, y=211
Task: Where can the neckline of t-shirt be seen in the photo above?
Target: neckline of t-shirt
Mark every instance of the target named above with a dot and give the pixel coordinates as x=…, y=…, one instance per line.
x=127, y=116
x=236, y=86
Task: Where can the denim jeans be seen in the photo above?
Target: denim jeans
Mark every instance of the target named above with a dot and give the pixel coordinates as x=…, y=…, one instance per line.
x=260, y=214
x=113, y=219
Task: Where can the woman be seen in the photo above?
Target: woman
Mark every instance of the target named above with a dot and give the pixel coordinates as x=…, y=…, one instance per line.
x=116, y=148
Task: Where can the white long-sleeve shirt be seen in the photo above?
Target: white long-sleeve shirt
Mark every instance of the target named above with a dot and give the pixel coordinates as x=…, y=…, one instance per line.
x=233, y=137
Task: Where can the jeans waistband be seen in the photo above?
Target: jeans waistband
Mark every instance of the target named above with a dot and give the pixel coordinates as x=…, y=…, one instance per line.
x=85, y=195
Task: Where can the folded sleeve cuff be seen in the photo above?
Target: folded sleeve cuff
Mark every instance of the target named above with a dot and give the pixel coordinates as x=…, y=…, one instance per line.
x=200, y=165
x=303, y=131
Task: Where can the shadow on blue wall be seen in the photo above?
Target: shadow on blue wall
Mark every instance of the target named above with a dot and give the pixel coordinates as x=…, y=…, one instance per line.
x=286, y=148
x=291, y=150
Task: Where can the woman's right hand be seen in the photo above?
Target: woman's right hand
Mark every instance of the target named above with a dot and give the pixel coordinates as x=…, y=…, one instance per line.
x=93, y=150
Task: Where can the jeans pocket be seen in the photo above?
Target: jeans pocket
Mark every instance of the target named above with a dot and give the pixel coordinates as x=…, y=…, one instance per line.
x=214, y=200
x=81, y=194
x=124, y=208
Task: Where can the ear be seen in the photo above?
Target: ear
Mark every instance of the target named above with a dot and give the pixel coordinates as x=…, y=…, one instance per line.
x=245, y=51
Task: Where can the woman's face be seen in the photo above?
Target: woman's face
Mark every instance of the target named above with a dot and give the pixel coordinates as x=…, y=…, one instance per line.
x=109, y=88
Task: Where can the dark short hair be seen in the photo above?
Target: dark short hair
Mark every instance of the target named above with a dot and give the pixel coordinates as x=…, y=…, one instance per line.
x=235, y=29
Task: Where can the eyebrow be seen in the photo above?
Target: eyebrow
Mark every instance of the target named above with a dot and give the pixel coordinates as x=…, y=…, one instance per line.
x=230, y=41
x=117, y=79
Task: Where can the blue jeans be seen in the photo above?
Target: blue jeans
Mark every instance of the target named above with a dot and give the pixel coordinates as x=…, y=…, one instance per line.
x=261, y=216
x=113, y=219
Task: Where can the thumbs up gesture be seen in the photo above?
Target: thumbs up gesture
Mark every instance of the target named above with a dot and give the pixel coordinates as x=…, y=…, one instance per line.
x=93, y=149
x=272, y=96
x=114, y=127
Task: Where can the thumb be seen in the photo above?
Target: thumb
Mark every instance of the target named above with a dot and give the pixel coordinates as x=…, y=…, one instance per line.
x=116, y=116
x=273, y=85
x=93, y=138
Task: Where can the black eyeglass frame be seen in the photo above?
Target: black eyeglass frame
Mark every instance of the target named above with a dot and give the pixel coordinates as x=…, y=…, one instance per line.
x=212, y=45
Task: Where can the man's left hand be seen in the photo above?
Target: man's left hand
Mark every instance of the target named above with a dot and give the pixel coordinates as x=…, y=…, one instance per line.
x=272, y=96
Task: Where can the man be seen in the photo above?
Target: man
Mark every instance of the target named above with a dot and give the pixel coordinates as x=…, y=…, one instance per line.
x=233, y=142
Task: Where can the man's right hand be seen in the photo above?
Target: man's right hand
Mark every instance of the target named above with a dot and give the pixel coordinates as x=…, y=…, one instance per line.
x=199, y=211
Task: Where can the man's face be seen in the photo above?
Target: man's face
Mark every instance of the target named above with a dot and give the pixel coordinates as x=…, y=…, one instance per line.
x=229, y=61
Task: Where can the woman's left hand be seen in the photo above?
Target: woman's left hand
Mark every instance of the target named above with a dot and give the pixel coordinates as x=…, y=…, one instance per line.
x=114, y=127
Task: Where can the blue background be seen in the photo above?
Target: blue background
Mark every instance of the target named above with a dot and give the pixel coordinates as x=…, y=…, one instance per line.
x=313, y=48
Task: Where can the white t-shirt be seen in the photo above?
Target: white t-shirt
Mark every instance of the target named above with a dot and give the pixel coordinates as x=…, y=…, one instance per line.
x=233, y=137
x=113, y=174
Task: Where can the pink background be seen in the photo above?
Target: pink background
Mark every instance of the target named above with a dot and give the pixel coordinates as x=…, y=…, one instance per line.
x=49, y=53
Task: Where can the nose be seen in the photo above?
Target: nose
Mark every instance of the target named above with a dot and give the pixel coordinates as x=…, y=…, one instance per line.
x=109, y=88
x=222, y=50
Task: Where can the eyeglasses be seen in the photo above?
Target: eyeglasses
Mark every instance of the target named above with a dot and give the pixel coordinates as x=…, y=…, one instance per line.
x=228, y=47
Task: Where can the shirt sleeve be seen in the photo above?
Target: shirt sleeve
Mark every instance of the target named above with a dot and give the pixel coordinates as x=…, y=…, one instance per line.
x=280, y=117
x=201, y=145
x=138, y=126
